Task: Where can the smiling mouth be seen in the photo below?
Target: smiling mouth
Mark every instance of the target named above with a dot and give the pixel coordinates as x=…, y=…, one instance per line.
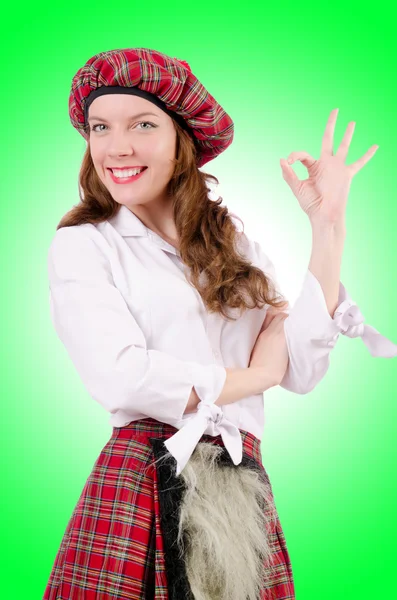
x=112, y=171
x=126, y=178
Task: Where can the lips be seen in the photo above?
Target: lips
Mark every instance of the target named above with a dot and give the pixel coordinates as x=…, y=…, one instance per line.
x=124, y=169
x=126, y=180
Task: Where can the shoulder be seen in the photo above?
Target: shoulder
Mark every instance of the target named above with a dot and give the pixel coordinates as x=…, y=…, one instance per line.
x=249, y=248
x=243, y=242
x=74, y=233
x=253, y=251
x=76, y=238
x=77, y=249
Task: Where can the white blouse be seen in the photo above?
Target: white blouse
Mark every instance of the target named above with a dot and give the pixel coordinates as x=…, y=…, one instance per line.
x=140, y=336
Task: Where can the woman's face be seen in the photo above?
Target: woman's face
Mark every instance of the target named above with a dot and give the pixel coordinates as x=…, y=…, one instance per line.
x=121, y=138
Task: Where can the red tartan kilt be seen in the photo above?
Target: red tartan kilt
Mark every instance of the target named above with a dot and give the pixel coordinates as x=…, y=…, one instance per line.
x=113, y=546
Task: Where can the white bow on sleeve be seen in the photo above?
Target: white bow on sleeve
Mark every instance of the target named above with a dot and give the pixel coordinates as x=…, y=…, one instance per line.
x=208, y=419
x=350, y=319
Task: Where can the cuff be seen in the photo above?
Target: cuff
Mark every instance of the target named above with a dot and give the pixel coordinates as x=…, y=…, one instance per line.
x=208, y=382
x=348, y=319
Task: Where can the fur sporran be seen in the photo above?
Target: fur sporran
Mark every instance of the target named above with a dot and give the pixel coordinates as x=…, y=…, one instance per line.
x=216, y=520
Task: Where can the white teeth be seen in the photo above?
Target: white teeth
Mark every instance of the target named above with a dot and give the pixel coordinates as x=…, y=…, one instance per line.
x=123, y=173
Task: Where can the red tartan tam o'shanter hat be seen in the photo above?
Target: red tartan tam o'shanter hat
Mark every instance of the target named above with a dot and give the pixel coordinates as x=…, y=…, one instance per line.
x=167, y=82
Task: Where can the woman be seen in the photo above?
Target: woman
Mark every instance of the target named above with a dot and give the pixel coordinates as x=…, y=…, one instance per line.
x=153, y=290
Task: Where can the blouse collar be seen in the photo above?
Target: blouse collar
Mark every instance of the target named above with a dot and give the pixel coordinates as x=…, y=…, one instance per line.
x=128, y=224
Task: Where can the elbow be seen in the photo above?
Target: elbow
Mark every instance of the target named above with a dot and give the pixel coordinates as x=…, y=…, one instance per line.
x=110, y=393
x=295, y=386
x=302, y=379
x=116, y=389
x=308, y=387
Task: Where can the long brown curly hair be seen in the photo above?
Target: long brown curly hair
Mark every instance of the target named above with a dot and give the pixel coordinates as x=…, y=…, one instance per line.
x=207, y=236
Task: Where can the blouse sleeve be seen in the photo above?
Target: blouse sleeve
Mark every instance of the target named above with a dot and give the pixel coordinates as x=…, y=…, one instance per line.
x=311, y=332
x=105, y=343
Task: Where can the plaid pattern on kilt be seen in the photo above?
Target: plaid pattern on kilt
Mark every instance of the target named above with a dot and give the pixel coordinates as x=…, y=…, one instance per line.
x=114, y=546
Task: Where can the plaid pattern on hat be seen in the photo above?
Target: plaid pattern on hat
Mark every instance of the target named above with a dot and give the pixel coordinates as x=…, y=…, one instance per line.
x=170, y=79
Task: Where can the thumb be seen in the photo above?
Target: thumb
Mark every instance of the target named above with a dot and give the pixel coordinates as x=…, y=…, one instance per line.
x=289, y=174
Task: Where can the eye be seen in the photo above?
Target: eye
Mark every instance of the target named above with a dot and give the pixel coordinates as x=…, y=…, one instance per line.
x=147, y=123
x=152, y=125
x=93, y=127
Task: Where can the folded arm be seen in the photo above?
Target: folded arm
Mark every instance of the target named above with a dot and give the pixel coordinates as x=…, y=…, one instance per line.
x=105, y=342
x=311, y=333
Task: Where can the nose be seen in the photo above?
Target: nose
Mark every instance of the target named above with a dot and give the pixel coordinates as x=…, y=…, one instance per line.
x=120, y=153
x=120, y=145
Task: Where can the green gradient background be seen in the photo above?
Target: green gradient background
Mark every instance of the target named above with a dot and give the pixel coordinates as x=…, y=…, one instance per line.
x=331, y=455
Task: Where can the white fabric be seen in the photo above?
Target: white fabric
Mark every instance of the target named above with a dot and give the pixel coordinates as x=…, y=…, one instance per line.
x=140, y=337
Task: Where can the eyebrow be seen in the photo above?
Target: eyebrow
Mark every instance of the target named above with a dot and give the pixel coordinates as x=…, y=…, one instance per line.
x=130, y=118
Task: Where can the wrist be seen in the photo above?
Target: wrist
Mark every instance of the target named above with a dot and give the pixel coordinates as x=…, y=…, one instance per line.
x=320, y=227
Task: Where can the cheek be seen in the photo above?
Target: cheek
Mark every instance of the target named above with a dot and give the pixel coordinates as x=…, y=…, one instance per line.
x=99, y=159
x=162, y=148
x=165, y=153
x=159, y=158
x=96, y=156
